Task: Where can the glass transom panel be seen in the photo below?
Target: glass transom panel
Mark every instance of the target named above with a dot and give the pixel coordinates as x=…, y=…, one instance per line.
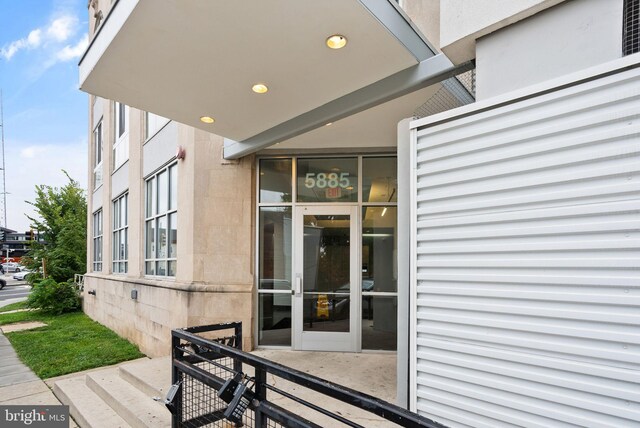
x=327, y=180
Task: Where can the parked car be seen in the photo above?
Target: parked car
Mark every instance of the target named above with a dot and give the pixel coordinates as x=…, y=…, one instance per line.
x=22, y=275
x=12, y=267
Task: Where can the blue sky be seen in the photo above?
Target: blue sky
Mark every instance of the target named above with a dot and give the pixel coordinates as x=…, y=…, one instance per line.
x=45, y=115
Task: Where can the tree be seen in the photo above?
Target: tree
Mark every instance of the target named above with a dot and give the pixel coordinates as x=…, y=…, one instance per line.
x=61, y=222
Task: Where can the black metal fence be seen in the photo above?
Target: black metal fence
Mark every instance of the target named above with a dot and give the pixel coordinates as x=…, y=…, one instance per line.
x=211, y=389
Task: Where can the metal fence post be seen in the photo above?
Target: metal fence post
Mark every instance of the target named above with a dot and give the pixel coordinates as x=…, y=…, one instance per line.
x=176, y=354
x=261, y=395
x=237, y=364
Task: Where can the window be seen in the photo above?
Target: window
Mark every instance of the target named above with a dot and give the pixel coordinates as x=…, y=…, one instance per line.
x=274, y=258
x=327, y=180
x=121, y=143
x=120, y=234
x=161, y=221
x=97, y=241
x=153, y=124
x=121, y=126
x=97, y=156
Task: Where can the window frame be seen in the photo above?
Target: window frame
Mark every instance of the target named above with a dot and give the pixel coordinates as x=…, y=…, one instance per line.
x=97, y=241
x=153, y=124
x=120, y=233
x=293, y=204
x=154, y=215
x=98, y=154
x=121, y=135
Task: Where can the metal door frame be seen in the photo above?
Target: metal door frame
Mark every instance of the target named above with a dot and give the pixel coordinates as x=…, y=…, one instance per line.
x=327, y=341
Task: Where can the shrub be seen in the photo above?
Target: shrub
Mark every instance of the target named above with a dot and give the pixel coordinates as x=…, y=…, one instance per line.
x=61, y=222
x=54, y=297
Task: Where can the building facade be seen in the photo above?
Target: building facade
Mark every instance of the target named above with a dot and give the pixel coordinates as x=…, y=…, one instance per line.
x=15, y=245
x=204, y=239
x=244, y=169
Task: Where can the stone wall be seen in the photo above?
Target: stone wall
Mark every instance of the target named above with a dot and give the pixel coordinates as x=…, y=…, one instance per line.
x=216, y=215
x=160, y=306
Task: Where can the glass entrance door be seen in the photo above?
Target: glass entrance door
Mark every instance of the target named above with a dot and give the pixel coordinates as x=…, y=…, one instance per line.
x=326, y=295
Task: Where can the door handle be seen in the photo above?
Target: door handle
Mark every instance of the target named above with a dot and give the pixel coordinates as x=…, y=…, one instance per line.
x=298, y=286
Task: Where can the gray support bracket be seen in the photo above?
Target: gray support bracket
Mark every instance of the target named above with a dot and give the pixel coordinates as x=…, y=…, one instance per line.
x=428, y=72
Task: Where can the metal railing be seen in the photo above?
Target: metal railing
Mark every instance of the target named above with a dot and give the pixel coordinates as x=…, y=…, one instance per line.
x=78, y=282
x=211, y=389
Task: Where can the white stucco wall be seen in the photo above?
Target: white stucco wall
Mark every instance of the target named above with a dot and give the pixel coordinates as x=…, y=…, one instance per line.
x=560, y=40
x=426, y=15
x=462, y=22
x=120, y=180
x=160, y=149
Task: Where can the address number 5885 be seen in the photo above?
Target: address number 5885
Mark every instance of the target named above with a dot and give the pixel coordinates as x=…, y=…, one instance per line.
x=323, y=180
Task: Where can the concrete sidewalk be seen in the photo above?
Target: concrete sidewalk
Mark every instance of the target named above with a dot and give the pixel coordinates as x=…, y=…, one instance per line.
x=18, y=384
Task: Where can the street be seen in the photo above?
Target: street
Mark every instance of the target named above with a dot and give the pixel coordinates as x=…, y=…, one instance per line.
x=14, y=291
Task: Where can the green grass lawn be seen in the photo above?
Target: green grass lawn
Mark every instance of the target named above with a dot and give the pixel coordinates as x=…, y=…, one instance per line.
x=70, y=343
x=14, y=306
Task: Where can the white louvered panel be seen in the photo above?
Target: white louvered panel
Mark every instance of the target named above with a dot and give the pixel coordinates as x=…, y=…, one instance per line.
x=608, y=190
x=537, y=292
x=554, y=140
x=547, y=110
x=527, y=261
x=577, y=322
x=500, y=178
x=618, y=208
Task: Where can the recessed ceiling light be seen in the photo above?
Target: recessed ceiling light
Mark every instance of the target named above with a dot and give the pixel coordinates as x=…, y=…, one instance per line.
x=259, y=88
x=336, y=41
x=207, y=119
x=328, y=124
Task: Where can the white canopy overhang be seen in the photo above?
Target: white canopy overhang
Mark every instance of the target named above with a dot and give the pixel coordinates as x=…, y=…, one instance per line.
x=188, y=59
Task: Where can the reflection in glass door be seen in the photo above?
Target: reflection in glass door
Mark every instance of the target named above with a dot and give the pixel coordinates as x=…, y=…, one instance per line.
x=326, y=301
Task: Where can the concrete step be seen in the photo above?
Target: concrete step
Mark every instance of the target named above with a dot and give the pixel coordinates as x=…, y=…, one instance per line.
x=151, y=376
x=86, y=408
x=134, y=406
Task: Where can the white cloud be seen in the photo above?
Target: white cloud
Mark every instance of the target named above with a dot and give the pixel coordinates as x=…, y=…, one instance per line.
x=34, y=38
x=58, y=31
x=30, y=42
x=62, y=28
x=31, y=164
x=32, y=151
x=72, y=52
